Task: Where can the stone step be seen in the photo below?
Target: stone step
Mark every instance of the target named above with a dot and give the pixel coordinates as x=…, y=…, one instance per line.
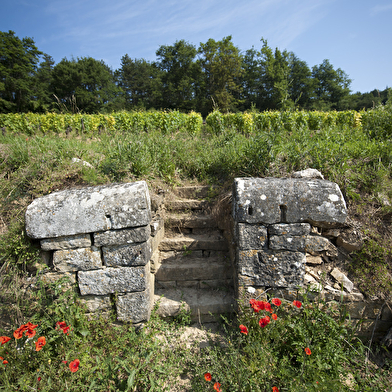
x=203, y=304
x=196, y=191
x=184, y=256
x=212, y=241
x=194, y=269
x=186, y=205
x=190, y=221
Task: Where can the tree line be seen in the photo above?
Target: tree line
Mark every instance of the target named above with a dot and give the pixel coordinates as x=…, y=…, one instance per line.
x=216, y=75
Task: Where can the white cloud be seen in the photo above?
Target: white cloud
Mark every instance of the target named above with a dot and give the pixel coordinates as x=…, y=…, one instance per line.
x=378, y=9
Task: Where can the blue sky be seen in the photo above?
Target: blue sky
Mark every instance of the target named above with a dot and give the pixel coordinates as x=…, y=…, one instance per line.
x=354, y=35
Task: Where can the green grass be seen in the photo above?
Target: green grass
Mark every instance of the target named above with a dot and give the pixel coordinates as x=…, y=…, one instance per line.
x=115, y=357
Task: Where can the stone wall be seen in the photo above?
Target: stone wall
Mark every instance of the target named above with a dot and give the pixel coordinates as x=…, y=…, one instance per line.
x=292, y=234
x=103, y=239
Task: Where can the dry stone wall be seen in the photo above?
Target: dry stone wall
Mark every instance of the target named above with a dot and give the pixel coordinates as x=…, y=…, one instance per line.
x=101, y=238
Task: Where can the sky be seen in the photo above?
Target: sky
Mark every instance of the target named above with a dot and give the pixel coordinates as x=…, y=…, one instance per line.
x=354, y=35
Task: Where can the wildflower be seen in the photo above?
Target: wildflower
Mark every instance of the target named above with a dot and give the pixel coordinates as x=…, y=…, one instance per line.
x=74, y=365
x=5, y=362
x=296, y=303
x=18, y=333
x=307, y=351
x=257, y=305
x=39, y=379
x=4, y=339
x=63, y=326
x=217, y=386
x=276, y=301
x=208, y=376
x=275, y=389
x=274, y=316
x=264, y=321
x=243, y=329
x=30, y=333
x=64, y=362
x=267, y=307
x=40, y=343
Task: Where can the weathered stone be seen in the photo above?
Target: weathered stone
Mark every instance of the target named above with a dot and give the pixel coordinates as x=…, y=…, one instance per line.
x=288, y=200
x=68, y=242
x=134, y=307
x=82, y=259
x=293, y=229
x=251, y=236
x=351, y=240
x=313, y=260
x=342, y=279
x=112, y=280
x=127, y=255
x=308, y=173
x=287, y=242
x=97, y=303
x=88, y=210
x=279, y=269
x=314, y=244
x=122, y=237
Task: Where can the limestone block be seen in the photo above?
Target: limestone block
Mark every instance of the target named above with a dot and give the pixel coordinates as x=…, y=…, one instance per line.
x=97, y=303
x=313, y=260
x=122, y=237
x=68, y=242
x=342, y=279
x=272, y=269
x=88, y=210
x=82, y=259
x=287, y=242
x=112, y=280
x=127, y=255
x=314, y=244
x=288, y=200
x=251, y=236
x=308, y=173
x=350, y=240
x=293, y=229
x=134, y=307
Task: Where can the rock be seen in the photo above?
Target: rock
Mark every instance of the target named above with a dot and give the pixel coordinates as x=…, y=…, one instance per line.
x=68, y=242
x=308, y=173
x=251, y=236
x=81, y=259
x=288, y=200
x=83, y=163
x=350, y=240
x=122, y=237
x=127, y=255
x=342, y=279
x=97, y=303
x=314, y=244
x=313, y=260
x=294, y=229
x=287, y=242
x=134, y=307
x=89, y=210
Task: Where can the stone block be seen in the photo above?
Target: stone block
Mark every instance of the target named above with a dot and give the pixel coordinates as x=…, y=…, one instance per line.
x=88, y=210
x=68, y=242
x=343, y=280
x=134, y=307
x=127, y=255
x=82, y=259
x=97, y=303
x=112, y=280
x=313, y=260
x=271, y=269
x=293, y=229
x=251, y=236
x=315, y=244
x=287, y=242
x=122, y=237
x=288, y=200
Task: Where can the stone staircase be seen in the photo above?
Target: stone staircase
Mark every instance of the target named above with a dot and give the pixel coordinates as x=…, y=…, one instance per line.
x=195, y=271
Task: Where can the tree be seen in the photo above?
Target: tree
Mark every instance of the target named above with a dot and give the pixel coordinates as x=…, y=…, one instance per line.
x=222, y=67
x=43, y=96
x=250, y=79
x=18, y=64
x=90, y=82
x=179, y=71
x=331, y=86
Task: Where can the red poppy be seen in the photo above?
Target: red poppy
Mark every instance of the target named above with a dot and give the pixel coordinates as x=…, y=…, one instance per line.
x=217, y=386
x=274, y=316
x=4, y=339
x=5, y=362
x=30, y=333
x=40, y=343
x=264, y=321
x=276, y=301
x=208, y=376
x=18, y=333
x=243, y=329
x=74, y=365
x=63, y=326
x=275, y=389
x=296, y=303
x=257, y=305
x=39, y=379
x=267, y=307
x=64, y=362
x=307, y=351
x=31, y=325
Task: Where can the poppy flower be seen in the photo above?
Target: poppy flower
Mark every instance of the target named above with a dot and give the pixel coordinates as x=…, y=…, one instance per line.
x=31, y=325
x=275, y=389
x=267, y=307
x=40, y=343
x=274, y=316
x=243, y=329
x=18, y=333
x=39, y=379
x=5, y=362
x=208, y=376
x=64, y=362
x=264, y=321
x=74, y=365
x=30, y=333
x=307, y=351
x=276, y=301
x=257, y=305
x=63, y=326
x=217, y=386
x=4, y=339
x=296, y=303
